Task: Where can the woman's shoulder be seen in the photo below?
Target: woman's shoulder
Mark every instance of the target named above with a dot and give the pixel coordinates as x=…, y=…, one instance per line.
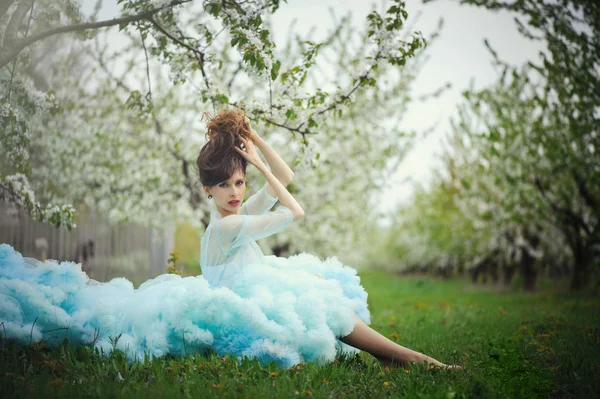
x=227, y=223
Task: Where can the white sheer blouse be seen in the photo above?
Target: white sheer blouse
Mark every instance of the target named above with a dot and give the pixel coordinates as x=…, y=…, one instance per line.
x=229, y=243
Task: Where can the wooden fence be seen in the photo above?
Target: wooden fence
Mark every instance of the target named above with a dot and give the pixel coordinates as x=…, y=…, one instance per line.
x=105, y=251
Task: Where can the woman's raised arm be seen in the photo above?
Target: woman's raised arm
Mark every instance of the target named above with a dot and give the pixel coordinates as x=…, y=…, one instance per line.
x=285, y=198
x=279, y=168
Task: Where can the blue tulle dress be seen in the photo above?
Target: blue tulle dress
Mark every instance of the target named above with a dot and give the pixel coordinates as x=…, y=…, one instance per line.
x=244, y=303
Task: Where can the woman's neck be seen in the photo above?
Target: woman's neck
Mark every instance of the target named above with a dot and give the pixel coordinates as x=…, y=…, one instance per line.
x=224, y=212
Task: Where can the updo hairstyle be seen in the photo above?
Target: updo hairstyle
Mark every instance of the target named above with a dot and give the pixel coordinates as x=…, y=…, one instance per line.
x=218, y=160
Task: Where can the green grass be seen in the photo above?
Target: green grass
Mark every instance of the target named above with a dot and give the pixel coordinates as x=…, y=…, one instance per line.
x=512, y=345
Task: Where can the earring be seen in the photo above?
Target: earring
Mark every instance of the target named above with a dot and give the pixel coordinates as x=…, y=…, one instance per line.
x=209, y=196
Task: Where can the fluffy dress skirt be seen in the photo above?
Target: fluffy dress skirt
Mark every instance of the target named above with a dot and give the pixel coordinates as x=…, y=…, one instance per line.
x=281, y=312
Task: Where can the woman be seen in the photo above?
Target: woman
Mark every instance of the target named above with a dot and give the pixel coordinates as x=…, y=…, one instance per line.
x=231, y=258
x=287, y=310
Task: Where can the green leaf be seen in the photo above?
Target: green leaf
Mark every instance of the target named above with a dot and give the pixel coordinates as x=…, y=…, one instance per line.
x=275, y=70
x=264, y=35
x=290, y=114
x=213, y=8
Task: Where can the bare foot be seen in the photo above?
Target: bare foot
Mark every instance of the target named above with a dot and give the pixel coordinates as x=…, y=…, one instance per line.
x=455, y=367
x=406, y=365
x=446, y=367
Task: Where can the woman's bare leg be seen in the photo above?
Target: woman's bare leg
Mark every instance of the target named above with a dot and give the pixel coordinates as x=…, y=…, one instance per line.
x=387, y=352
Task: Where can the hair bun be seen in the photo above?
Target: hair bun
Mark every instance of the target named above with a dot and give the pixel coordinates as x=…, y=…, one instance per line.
x=223, y=129
x=218, y=160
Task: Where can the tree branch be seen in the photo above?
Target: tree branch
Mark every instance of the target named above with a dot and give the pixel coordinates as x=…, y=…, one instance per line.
x=572, y=217
x=291, y=129
x=8, y=54
x=197, y=53
x=15, y=20
x=12, y=71
x=239, y=68
x=4, y=6
x=147, y=68
x=361, y=80
x=590, y=200
x=100, y=59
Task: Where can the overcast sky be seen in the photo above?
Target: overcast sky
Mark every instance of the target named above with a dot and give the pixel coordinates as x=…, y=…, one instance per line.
x=457, y=56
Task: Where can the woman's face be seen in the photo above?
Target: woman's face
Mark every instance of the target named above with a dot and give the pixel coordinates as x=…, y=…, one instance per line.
x=229, y=194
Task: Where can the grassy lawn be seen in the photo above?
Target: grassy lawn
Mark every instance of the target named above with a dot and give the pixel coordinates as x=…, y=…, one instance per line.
x=512, y=345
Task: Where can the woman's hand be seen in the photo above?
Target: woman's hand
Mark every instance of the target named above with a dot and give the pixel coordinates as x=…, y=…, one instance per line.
x=249, y=152
x=251, y=133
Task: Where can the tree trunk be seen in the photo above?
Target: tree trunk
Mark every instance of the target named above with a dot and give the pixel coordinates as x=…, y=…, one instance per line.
x=475, y=273
x=493, y=269
x=509, y=272
x=445, y=272
x=529, y=278
x=581, y=269
x=528, y=271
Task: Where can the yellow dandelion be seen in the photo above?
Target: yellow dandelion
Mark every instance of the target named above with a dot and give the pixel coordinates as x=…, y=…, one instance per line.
x=392, y=318
x=386, y=383
x=545, y=335
x=308, y=392
x=325, y=381
x=238, y=373
x=273, y=374
x=406, y=371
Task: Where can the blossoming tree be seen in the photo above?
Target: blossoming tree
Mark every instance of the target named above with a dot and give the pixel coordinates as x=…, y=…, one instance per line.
x=523, y=159
x=122, y=135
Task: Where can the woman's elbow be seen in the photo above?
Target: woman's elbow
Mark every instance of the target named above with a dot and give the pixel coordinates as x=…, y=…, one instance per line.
x=289, y=179
x=298, y=215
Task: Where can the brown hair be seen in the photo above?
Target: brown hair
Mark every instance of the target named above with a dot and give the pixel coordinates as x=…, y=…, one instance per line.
x=218, y=160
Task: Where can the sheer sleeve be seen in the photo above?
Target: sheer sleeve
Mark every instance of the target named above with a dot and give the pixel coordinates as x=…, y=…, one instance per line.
x=236, y=230
x=258, y=203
